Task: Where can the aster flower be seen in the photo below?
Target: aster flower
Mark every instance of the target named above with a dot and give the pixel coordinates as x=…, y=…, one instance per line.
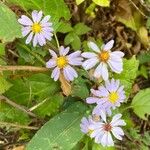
x=39, y=30
x=103, y=130
x=63, y=63
x=102, y=58
x=107, y=97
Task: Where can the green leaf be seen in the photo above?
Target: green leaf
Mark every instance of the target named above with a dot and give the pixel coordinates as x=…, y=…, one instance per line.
x=103, y=3
x=129, y=73
x=50, y=105
x=141, y=103
x=64, y=28
x=11, y=114
x=10, y=29
x=81, y=29
x=4, y=85
x=79, y=1
x=74, y=40
x=100, y=147
x=144, y=57
x=2, y=49
x=38, y=86
x=61, y=132
x=55, y=8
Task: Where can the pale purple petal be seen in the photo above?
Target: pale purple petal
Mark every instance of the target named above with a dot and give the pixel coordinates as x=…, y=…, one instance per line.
x=51, y=63
x=98, y=71
x=104, y=72
x=118, y=132
x=54, y=55
x=93, y=46
x=55, y=74
x=45, y=19
x=69, y=73
x=29, y=38
x=34, y=15
x=25, y=31
x=41, y=39
x=63, y=51
x=91, y=100
x=76, y=61
x=24, y=20
x=118, y=53
x=115, y=118
x=47, y=35
x=39, y=16
x=35, y=40
x=104, y=92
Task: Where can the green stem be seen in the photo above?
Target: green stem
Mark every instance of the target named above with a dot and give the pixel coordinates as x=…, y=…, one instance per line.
x=57, y=42
x=32, y=53
x=127, y=108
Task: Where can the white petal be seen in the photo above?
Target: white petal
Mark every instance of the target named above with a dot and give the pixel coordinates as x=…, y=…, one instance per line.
x=104, y=72
x=24, y=20
x=55, y=74
x=88, y=55
x=93, y=46
x=116, y=66
x=90, y=63
x=91, y=100
x=51, y=63
x=110, y=140
x=54, y=55
x=63, y=51
x=104, y=141
x=103, y=115
x=25, y=31
x=74, y=54
x=98, y=71
x=118, y=53
x=29, y=38
x=119, y=123
x=108, y=45
x=115, y=118
x=118, y=132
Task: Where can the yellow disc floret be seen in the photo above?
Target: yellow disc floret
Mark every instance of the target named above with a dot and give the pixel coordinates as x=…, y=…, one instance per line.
x=113, y=97
x=36, y=28
x=62, y=61
x=104, y=56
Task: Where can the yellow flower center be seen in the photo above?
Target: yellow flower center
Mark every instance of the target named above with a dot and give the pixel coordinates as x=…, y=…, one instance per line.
x=36, y=28
x=104, y=56
x=113, y=97
x=90, y=132
x=62, y=61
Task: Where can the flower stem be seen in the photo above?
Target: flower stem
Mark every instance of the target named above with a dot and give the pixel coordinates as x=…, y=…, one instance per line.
x=32, y=53
x=57, y=42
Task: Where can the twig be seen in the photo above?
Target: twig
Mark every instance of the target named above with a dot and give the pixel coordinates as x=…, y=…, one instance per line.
x=25, y=68
x=57, y=42
x=138, y=9
x=18, y=125
x=5, y=99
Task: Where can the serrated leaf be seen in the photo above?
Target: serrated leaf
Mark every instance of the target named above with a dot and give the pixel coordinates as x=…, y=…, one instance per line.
x=141, y=103
x=4, y=85
x=81, y=29
x=61, y=132
x=79, y=1
x=129, y=73
x=10, y=29
x=103, y=3
x=55, y=8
